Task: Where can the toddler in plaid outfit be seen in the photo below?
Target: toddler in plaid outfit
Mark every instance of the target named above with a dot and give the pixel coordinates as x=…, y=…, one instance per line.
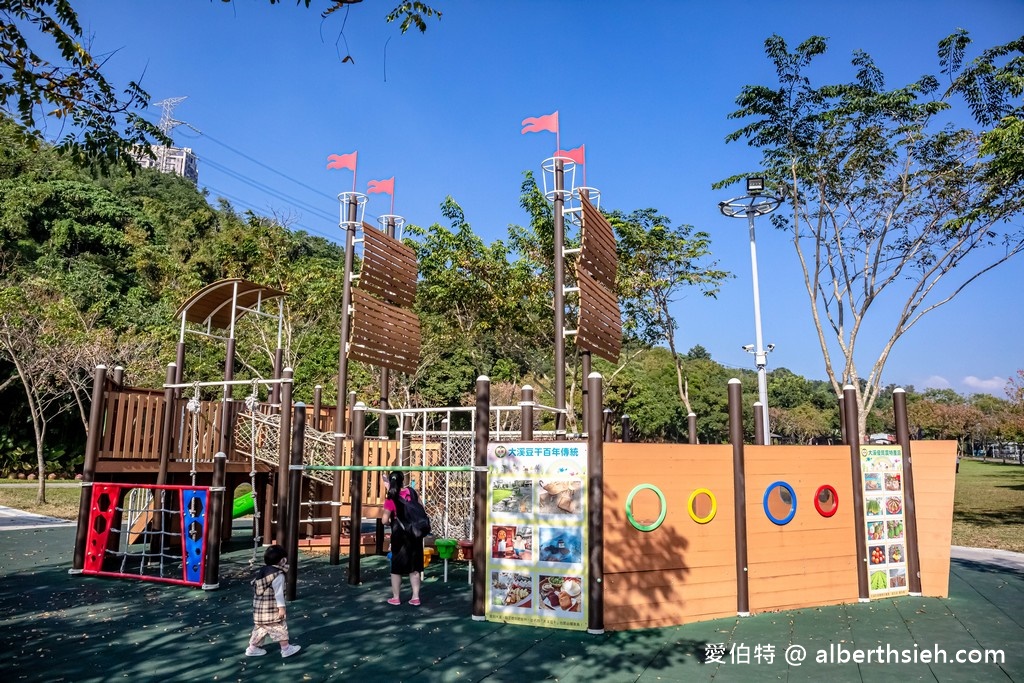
x=268, y=604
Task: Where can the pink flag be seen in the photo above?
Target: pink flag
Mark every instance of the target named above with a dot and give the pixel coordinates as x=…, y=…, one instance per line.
x=342, y=161
x=536, y=124
x=385, y=186
x=578, y=155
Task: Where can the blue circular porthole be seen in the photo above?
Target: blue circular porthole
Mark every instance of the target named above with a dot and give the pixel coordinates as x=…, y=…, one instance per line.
x=780, y=503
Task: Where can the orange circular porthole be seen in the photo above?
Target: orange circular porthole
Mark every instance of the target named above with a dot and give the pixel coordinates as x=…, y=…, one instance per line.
x=826, y=500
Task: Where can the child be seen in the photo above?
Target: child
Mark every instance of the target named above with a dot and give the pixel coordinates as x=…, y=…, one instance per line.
x=518, y=547
x=406, y=550
x=268, y=605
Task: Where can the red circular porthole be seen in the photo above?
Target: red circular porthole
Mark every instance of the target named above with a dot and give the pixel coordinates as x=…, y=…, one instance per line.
x=826, y=500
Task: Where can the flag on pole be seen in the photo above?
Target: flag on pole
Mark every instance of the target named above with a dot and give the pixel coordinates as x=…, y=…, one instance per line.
x=578, y=155
x=342, y=161
x=536, y=124
x=385, y=186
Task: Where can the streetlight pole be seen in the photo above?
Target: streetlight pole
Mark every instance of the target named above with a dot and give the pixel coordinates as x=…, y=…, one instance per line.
x=755, y=203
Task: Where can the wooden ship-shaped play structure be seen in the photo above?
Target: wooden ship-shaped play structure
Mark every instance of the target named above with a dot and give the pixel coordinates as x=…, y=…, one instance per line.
x=664, y=533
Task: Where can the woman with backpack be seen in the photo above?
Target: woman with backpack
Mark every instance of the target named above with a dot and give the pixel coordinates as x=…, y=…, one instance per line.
x=406, y=547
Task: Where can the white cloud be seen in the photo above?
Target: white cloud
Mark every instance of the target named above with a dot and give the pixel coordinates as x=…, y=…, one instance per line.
x=987, y=385
x=937, y=382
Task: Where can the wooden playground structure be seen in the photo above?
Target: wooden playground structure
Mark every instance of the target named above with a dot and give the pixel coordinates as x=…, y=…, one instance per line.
x=661, y=534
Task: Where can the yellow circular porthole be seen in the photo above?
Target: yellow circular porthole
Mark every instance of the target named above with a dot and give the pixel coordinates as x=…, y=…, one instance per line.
x=702, y=506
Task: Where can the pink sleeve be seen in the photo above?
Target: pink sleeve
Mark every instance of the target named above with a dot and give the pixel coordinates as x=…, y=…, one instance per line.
x=389, y=505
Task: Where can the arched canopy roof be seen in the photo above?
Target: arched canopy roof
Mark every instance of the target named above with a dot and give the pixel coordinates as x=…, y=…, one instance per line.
x=212, y=305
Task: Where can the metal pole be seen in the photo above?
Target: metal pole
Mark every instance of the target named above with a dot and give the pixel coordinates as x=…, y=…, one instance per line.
x=559, y=296
x=760, y=355
x=691, y=423
x=340, y=423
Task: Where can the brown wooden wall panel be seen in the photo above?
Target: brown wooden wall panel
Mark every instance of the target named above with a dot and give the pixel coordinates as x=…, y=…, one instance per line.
x=598, y=252
x=812, y=560
x=384, y=335
x=132, y=425
x=934, y=465
x=389, y=268
x=600, y=322
x=682, y=571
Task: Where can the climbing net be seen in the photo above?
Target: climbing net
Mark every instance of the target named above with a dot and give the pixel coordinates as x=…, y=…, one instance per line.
x=133, y=535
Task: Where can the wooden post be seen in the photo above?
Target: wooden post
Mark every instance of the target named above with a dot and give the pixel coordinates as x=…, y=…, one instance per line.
x=215, y=522
x=169, y=424
x=899, y=405
x=691, y=425
x=851, y=420
x=356, y=487
x=318, y=393
x=842, y=421
x=92, y=447
x=526, y=404
x=294, y=497
x=595, y=504
x=758, y=423
x=740, y=495
x=283, y=455
x=482, y=436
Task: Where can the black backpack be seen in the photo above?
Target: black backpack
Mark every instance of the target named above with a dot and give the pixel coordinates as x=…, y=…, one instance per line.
x=411, y=516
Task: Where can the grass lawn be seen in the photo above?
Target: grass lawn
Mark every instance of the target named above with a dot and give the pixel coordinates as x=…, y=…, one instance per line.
x=988, y=508
x=61, y=501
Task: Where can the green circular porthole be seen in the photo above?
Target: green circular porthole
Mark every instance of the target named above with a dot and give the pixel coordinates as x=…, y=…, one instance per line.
x=629, y=507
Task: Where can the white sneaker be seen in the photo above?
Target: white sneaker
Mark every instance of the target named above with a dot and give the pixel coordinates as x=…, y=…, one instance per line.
x=290, y=650
x=255, y=652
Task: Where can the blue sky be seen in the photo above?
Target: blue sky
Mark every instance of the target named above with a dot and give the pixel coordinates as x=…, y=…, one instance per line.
x=647, y=86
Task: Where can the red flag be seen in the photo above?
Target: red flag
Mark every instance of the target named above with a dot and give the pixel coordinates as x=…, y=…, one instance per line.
x=578, y=155
x=535, y=124
x=342, y=161
x=385, y=186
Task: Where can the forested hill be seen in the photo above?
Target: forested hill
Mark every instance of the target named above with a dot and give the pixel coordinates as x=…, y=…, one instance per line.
x=94, y=264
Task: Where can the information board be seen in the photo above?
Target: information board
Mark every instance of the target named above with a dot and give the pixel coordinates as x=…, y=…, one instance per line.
x=882, y=481
x=537, y=534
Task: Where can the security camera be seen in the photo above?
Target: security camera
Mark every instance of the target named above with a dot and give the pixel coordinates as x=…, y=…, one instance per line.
x=748, y=348
x=771, y=347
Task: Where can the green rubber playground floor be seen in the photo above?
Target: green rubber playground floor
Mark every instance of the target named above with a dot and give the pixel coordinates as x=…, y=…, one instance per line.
x=57, y=627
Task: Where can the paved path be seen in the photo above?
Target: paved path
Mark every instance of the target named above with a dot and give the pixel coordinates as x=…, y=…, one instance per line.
x=57, y=627
x=11, y=518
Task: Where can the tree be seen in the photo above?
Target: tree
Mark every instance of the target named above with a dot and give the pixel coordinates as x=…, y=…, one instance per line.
x=886, y=195
x=656, y=262
x=96, y=121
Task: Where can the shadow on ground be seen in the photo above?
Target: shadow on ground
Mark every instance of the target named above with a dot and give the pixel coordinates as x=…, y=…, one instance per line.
x=58, y=627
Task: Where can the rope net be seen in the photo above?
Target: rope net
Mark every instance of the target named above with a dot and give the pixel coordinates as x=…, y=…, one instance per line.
x=147, y=532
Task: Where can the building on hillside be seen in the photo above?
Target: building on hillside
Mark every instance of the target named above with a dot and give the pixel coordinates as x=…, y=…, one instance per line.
x=179, y=160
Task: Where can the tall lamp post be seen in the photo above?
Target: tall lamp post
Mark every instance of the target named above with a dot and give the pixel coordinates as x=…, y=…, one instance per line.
x=753, y=204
